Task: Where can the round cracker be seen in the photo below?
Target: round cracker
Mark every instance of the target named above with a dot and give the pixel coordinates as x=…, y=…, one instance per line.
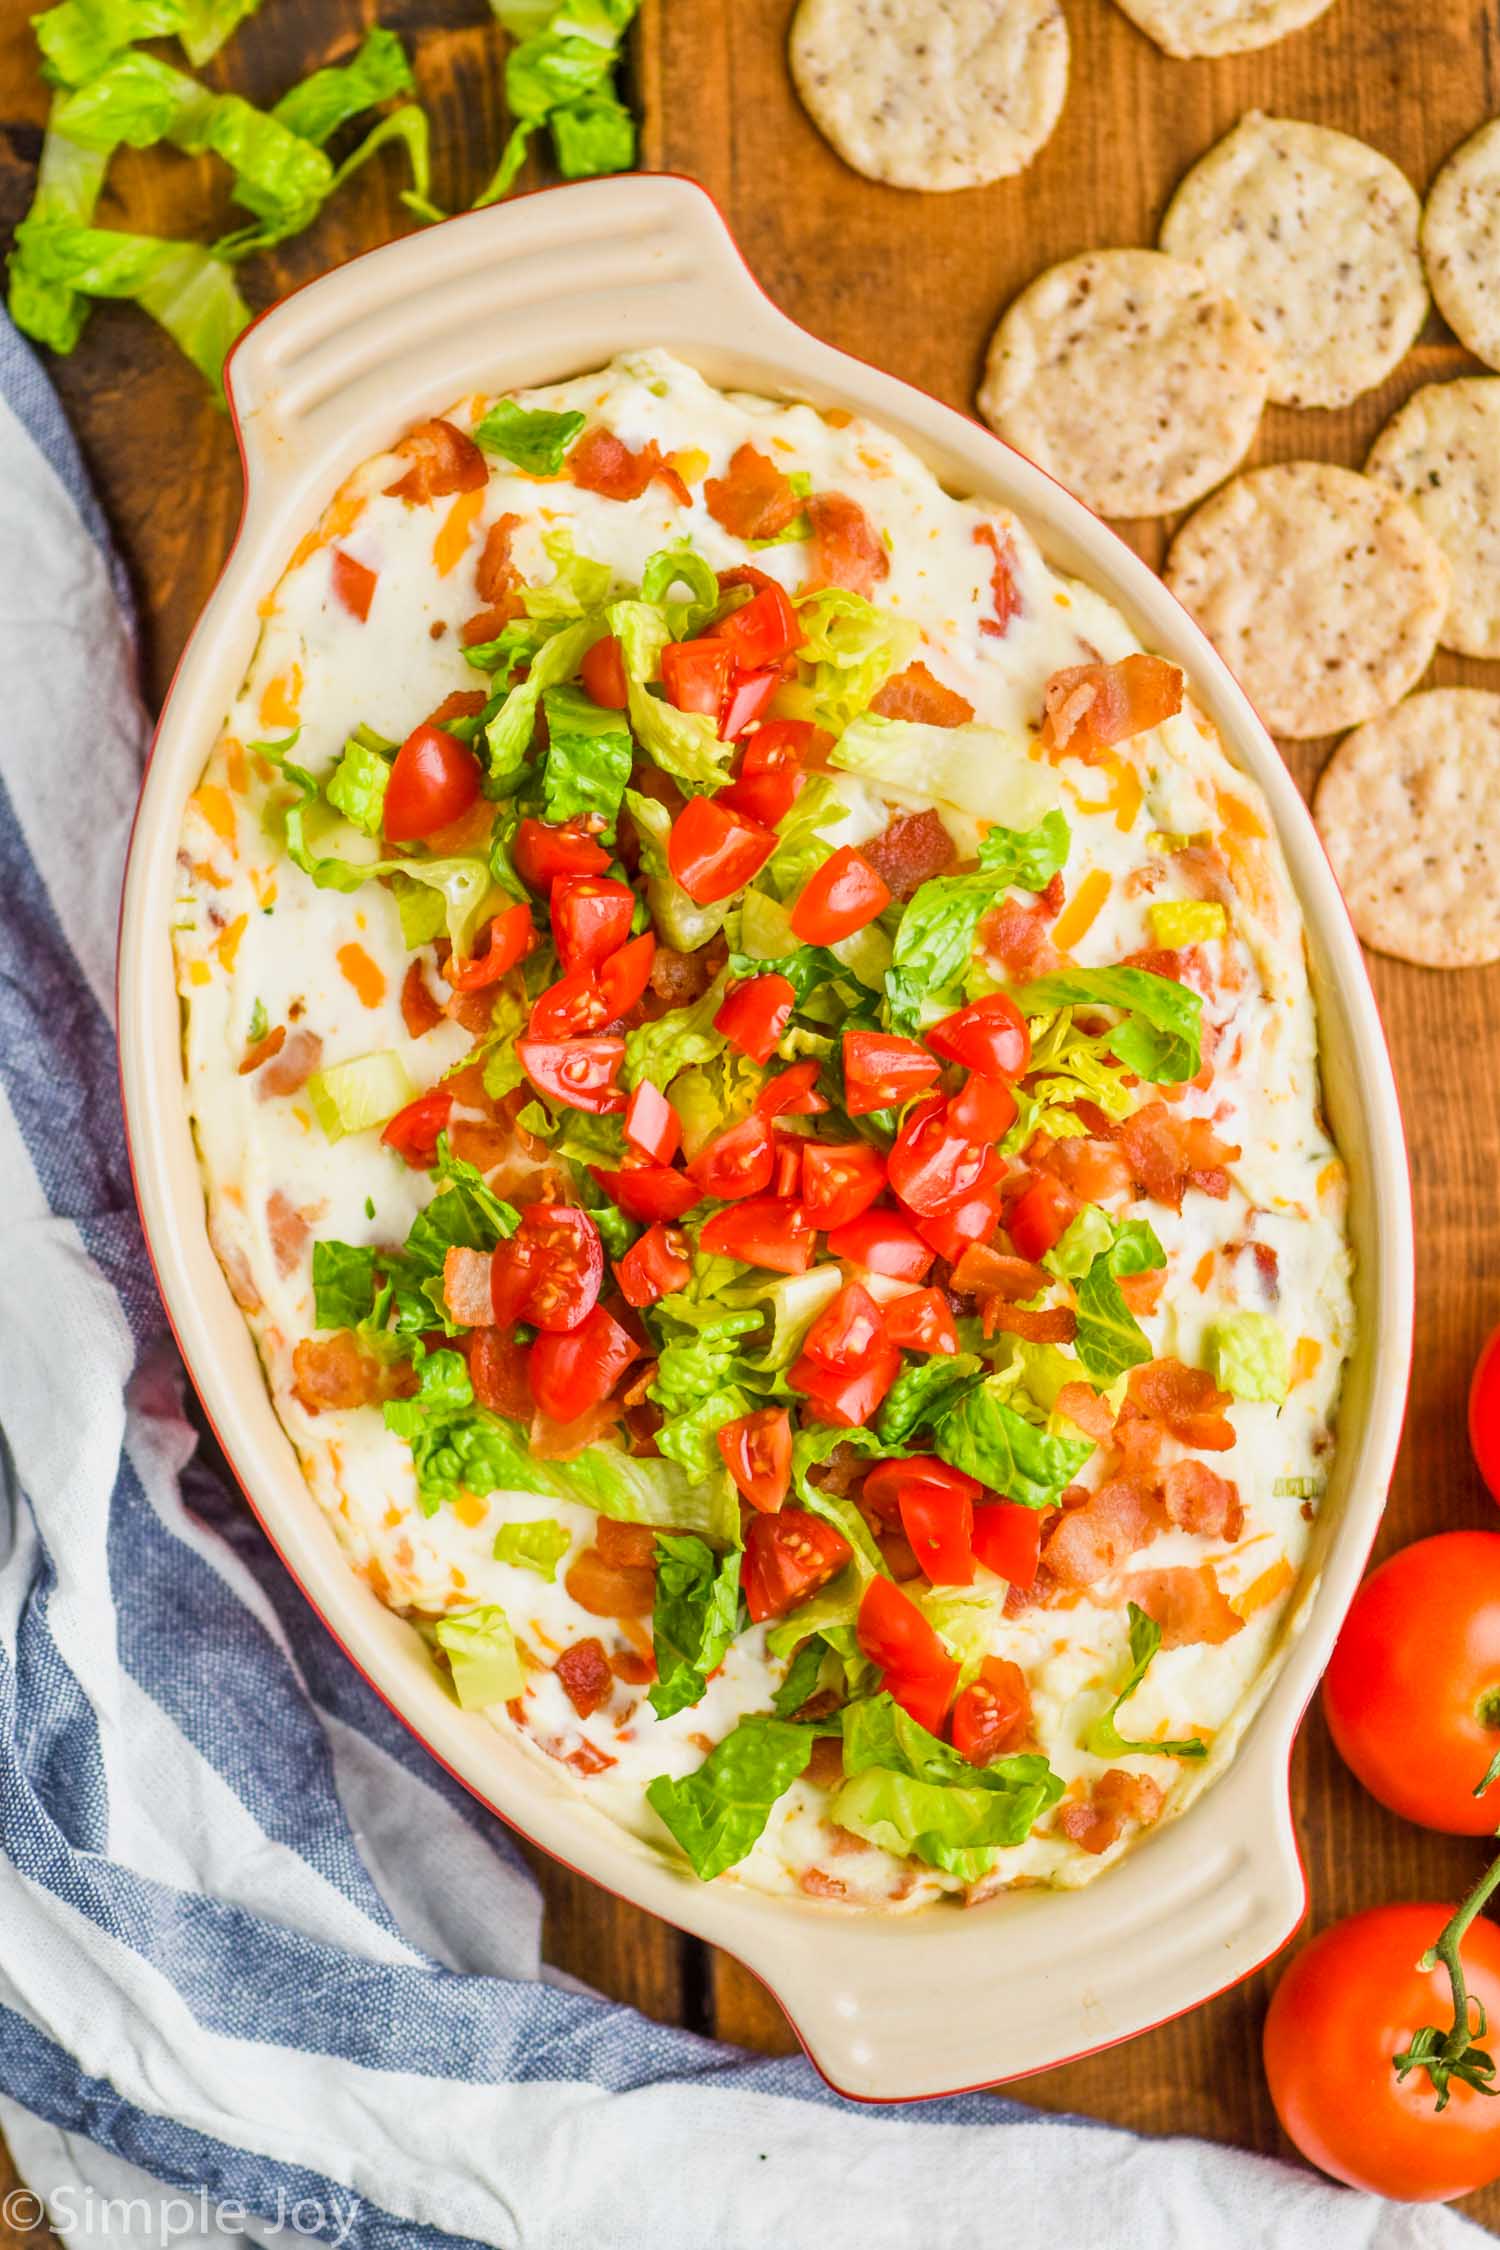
x=1409, y=808
x=934, y=94
x=1220, y=27
x=1316, y=234
x=1461, y=242
x=1130, y=377
x=1441, y=452
x=1319, y=588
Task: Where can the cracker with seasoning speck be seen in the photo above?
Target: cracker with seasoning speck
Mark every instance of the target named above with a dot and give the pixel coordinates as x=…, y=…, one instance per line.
x=1316, y=234
x=1441, y=452
x=933, y=94
x=1220, y=27
x=1130, y=377
x=1461, y=242
x=1409, y=808
x=1319, y=588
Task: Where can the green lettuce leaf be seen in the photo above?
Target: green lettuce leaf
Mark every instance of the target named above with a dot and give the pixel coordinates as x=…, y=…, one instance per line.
x=538, y=1543
x=507, y=739
x=802, y=1677
x=357, y=785
x=481, y=1652
x=682, y=1039
x=1110, y=1340
x=920, y=1392
x=935, y=937
x=973, y=767
x=853, y=648
x=683, y=923
x=185, y=288
x=69, y=178
x=1160, y=1038
x=985, y=1436
x=1249, y=1356
x=325, y=100
x=680, y=565
x=343, y=1283
x=558, y=75
x=589, y=752
x=719, y=1813
x=533, y=438
x=911, y=1794
x=694, y=1620
x=80, y=38
x=1102, y=1738
x=593, y=137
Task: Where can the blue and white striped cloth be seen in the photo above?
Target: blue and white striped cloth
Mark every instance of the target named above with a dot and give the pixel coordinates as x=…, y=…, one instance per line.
x=263, y=1968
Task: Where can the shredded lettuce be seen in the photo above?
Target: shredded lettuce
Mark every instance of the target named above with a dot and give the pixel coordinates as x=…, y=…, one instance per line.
x=534, y=439
x=922, y=1389
x=681, y=565
x=589, y=753
x=853, y=648
x=507, y=739
x=1068, y=1064
x=351, y=1097
x=935, y=937
x=357, y=785
x=538, y=1543
x=694, y=1620
x=719, y=1813
x=1160, y=1038
x=1102, y=1738
x=1249, y=1356
x=481, y=1652
x=911, y=1794
x=343, y=1284
x=686, y=744
x=973, y=767
x=559, y=74
x=682, y=1039
x=1110, y=1340
x=80, y=38
x=983, y=1434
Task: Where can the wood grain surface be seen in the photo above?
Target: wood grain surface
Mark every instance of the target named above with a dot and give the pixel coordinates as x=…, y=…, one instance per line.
x=913, y=283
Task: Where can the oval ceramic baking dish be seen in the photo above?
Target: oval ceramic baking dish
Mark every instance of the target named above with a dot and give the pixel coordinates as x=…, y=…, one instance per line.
x=888, y=2007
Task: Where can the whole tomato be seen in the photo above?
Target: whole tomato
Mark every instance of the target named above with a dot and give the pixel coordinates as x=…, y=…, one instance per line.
x=1484, y=1413
x=1351, y=2003
x=1412, y=1694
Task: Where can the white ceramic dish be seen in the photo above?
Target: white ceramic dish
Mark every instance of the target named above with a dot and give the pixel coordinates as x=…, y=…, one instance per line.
x=535, y=290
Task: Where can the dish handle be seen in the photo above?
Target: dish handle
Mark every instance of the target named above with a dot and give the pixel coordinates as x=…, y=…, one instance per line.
x=592, y=268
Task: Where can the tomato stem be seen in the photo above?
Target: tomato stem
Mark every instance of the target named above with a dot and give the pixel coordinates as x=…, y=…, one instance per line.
x=1452, y=2054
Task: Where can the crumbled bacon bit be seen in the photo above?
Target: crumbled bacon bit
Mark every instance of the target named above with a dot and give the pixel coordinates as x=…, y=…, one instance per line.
x=494, y=573
x=463, y=703
x=586, y=1676
x=1090, y=707
x=1005, y=595
x=419, y=1011
x=1098, y=1821
x=631, y=1544
x=825, y=1767
x=1050, y=1324
x=1188, y=1605
x=909, y=852
x=1198, y=1499
x=631, y=1667
x=290, y=1066
x=601, y=462
x=816, y=1884
x=1087, y=1543
x=585, y=1759
x=288, y=1231
x=754, y=499
x=1168, y=1154
x=846, y=548
x=1142, y=1291
x=982, y=1272
x=608, y=1589
x=680, y=978
x=1185, y=1400
x=466, y=1287
x=914, y=694
x=333, y=1372
x=264, y=1049
x=1087, y=1411
x=1014, y=934
x=443, y=460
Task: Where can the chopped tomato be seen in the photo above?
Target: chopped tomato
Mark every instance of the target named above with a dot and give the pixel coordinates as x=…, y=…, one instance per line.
x=414, y=1131
x=757, y=1450
x=847, y=1395
x=763, y=630
x=579, y=1073
x=763, y=1230
x=575, y=1003
x=838, y=898
x=713, y=851
x=623, y=978
x=918, y=1671
x=840, y=1179
x=909, y=851
x=754, y=1015
x=353, y=584
x=883, y=1070
x=649, y=1191
x=989, y=1037
x=882, y=1242
x=983, y=1110
x=992, y=1717
x=915, y=695
x=1040, y=1216
x=1008, y=1540
x=511, y=938
x=940, y=1528
x=570, y=1373
x=753, y=499
x=738, y=1161
x=654, y=1267
x=591, y=917
x=973, y=1218
x=1005, y=597
x=887, y=1480
x=652, y=1124
x=770, y=776
x=931, y=1164
x=786, y=1172
x=749, y=694
x=601, y=462
x=846, y=548
x=1089, y=707
x=846, y=1329
x=566, y=1265
x=789, y=1556
x=603, y=674
x=695, y=675
x=922, y=1321
x=443, y=460
x=542, y=853
x=434, y=780
x=792, y=1092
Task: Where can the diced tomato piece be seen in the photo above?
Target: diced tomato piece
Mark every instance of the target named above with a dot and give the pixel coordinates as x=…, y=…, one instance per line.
x=353, y=584
x=623, y=978
x=757, y=1450
x=652, y=1124
x=989, y=1037
x=579, y=1073
x=654, y=1267
x=789, y=1556
x=847, y=1396
x=603, y=674
x=753, y=499
x=893, y=1634
x=576, y=1003
x=840, y=1179
x=572, y=1372
x=940, y=1528
x=737, y=1162
x=564, y=1267
x=1005, y=595
x=443, y=460
x=909, y=851
x=1040, y=1216
x=763, y=630
x=786, y=1171
x=846, y=548
x=1089, y=707
x=882, y=1242
x=754, y=1014
x=922, y=1322
x=649, y=1191
x=972, y=1218
x=1008, y=1540
x=749, y=694
x=713, y=851
x=413, y=1131
x=419, y=1012
x=983, y=1110
x=915, y=695
x=542, y=853
x=764, y=1230
x=591, y=917
x=792, y=1092
x=845, y=1331
x=992, y=1717
x=932, y=1165
x=434, y=779
x=511, y=938
x=886, y=1481
x=585, y=1675
x=695, y=675
x=601, y=462
x=883, y=1070
x=838, y=898
x=770, y=776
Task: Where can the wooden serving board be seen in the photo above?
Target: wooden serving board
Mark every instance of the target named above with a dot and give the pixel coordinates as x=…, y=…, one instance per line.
x=913, y=283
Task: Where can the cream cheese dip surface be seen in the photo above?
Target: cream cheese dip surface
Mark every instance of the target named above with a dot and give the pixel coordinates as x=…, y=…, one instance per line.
x=756, y=1085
